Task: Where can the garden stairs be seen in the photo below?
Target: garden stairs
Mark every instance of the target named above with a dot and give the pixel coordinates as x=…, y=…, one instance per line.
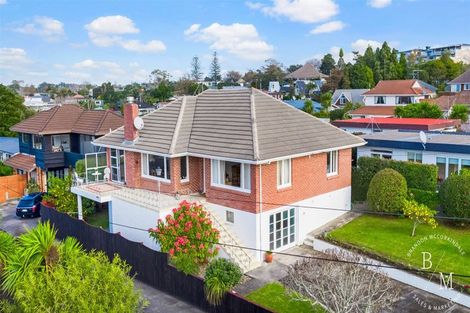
x=239, y=256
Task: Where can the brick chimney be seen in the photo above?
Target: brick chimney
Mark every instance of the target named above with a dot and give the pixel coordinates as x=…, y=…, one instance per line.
x=131, y=111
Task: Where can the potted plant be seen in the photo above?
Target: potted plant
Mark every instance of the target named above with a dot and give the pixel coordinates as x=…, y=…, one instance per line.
x=268, y=256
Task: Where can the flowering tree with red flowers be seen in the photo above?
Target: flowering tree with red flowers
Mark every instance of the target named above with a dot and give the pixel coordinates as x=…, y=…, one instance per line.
x=187, y=236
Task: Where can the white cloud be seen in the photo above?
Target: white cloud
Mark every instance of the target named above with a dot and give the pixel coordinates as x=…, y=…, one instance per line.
x=13, y=58
x=361, y=45
x=77, y=76
x=241, y=40
x=107, y=31
x=305, y=11
x=47, y=27
x=378, y=4
x=116, y=24
x=328, y=27
x=192, y=29
x=3, y=2
x=78, y=45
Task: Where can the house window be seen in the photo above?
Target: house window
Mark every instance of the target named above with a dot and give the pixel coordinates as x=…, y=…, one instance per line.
x=60, y=143
x=465, y=164
x=155, y=166
x=379, y=100
x=37, y=142
x=232, y=175
x=24, y=138
x=381, y=154
x=453, y=166
x=441, y=168
x=184, y=166
x=284, y=173
x=415, y=157
x=281, y=229
x=403, y=100
x=118, y=168
x=230, y=217
x=342, y=100
x=466, y=87
x=332, y=163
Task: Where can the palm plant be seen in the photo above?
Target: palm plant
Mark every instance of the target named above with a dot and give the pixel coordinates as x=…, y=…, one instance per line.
x=7, y=248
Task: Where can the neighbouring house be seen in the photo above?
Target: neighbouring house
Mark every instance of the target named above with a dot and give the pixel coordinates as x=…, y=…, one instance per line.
x=73, y=99
x=39, y=102
x=55, y=139
x=342, y=96
x=459, y=52
x=373, y=125
x=248, y=157
x=373, y=111
x=307, y=79
x=460, y=83
x=398, y=92
x=8, y=147
x=449, y=151
x=274, y=87
x=448, y=100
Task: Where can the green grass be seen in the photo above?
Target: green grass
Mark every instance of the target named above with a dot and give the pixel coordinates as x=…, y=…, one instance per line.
x=273, y=297
x=99, y=219
x=390, y=238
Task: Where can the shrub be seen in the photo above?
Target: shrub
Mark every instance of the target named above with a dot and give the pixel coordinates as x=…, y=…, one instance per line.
x=428, y=198
x=455, y=195
x=417, y=175
x=32, y=186
x=221, y=276
x=5, y=170
x=187, y=236
x=387, y=191
x=419, y=214
x=80, y=167
x=7, y=247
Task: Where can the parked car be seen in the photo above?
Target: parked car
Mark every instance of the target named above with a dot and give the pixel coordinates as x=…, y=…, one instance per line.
x=30, y=205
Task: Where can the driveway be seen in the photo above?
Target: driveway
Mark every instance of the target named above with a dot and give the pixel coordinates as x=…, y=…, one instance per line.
x=160, y=302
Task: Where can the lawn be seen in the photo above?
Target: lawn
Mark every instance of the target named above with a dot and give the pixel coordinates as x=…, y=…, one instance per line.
x=389, y=237
x=99, y=219
x=273, y=297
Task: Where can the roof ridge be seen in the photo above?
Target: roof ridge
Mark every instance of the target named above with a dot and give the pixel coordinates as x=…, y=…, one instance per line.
x=49, y=118
x=101, y=122
x=177, y=126
x=254, y=127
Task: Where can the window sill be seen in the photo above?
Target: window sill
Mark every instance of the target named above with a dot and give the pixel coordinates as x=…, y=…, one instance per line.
x=284, y=188
x=332, y=176
x=184, y=181
x=162, y=180
x=225, y=187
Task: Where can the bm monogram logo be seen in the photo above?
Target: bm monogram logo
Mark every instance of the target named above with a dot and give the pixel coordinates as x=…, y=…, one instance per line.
x=445, y=281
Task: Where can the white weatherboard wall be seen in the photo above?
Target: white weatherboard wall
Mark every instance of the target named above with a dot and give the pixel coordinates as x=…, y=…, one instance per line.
x=389, y=99
x=132, y=221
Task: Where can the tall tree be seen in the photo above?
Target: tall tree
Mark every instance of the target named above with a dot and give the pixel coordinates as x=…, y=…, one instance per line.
x=272, y=70
x=293, y=68
x=327, y=64
x=232, y=77
x=215, y=68
x=341, y=62
x=12, y=110
x=361, y=76
x=196, y=73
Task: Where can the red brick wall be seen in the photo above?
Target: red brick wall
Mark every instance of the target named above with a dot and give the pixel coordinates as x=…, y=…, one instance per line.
x=131, y=111
x=308, y=179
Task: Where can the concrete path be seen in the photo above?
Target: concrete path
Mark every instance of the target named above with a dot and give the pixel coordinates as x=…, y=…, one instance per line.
x=160, y=302
x=407, y=303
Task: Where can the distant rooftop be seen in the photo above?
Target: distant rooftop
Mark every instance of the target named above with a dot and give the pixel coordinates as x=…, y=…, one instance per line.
x=308, y=71
x=9, y=145
x=401, y=87
x=398, y=123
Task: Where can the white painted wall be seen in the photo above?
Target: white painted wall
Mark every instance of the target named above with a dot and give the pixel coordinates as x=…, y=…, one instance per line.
x=390, y=100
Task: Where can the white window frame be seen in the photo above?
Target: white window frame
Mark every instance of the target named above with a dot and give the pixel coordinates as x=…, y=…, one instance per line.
x=282, y=181
x=382, y=154
x=215, y=179
x=165, y=180
x=290, y=235
x=412, y=156
x=342, y=100
x=376, y=98
x=185, y=180
x=117, y=166
x=332, y=157
x=34, y=143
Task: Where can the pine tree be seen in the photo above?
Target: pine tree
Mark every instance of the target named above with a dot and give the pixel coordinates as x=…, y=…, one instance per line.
x=196, y=73
x=215, y=68
x=341, y=62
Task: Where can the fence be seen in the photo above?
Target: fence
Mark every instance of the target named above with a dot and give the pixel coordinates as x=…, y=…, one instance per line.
x=12, y=187
x=149, y=266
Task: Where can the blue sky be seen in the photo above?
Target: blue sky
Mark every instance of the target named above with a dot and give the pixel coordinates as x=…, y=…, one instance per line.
x=123, y=41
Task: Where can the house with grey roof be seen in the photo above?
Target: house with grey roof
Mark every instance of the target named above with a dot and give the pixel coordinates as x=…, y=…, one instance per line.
x=461, y=82
x=342, y=96
x=250, y=159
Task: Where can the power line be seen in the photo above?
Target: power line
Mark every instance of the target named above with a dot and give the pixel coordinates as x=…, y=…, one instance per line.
x=299, y=255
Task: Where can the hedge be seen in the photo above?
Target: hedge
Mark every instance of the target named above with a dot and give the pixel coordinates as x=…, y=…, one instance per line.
x=387, y=191
x=417, y=175
x=455, y=195
x=428, y=198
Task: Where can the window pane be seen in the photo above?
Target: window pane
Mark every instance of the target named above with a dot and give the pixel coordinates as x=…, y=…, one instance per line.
x=145, y=167
x=214, y=168
x=232, y=174
x=328, y=162
x=284, y=214
x=156, y=165
x=247, y=176
x=292, y=212
x=184, y=169
x=101, y=159
x=411, y=156
x=167, y=175
x=279, y=173
x=271, y=246
x=419, y=157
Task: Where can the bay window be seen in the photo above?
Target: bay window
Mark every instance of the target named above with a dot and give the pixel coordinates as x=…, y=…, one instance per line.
x=284, y=173
x=231, y=175
x=156, y=167
x=332, y=163
x=184, y=166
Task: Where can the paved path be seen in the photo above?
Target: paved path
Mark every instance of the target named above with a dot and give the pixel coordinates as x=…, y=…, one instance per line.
x=277, y=270
x=160, y=302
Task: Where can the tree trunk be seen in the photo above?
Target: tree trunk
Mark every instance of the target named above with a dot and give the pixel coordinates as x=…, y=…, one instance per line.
x=414, y=229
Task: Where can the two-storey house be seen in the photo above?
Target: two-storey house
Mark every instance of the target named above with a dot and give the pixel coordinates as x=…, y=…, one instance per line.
x=55, y=139
x=381, y=100
x=268, y=173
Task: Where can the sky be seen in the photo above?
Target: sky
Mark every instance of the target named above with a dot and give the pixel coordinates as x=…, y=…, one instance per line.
x=123, y=41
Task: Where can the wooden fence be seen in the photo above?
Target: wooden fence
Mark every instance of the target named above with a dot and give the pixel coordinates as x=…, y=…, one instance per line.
x=12, y=187
x=149, y=266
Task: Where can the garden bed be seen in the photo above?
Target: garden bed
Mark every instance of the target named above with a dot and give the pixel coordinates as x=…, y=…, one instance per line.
x=389, y=239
